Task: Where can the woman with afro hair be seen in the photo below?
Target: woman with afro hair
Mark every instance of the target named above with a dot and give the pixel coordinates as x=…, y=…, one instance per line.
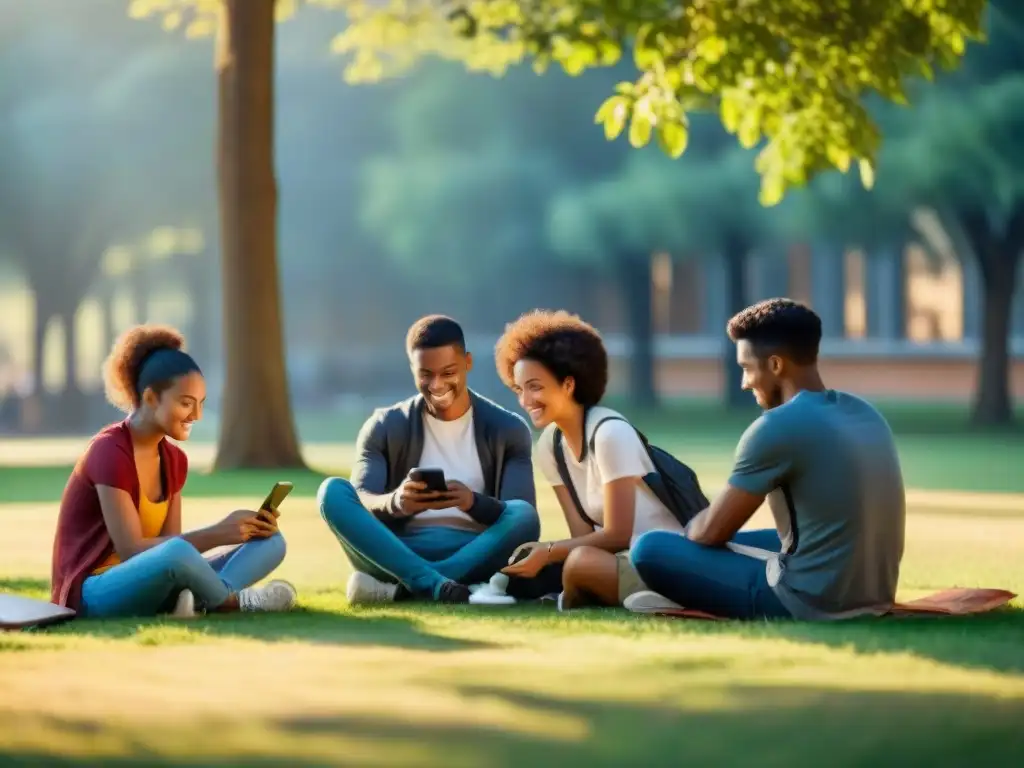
x=558, y=367
x=119, y=549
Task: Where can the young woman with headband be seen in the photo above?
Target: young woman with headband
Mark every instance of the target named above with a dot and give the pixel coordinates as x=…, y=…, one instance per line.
x=119, y=549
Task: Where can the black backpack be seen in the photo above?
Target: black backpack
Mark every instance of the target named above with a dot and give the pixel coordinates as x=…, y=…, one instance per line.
x=673, y=482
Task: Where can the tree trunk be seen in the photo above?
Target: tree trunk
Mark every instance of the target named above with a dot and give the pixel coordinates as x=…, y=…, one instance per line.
x=635, y=278
x=257, y=428
x=998, y=256
x=139, y=287
x=993, y=404
x=108, y=328
x=201, y=325
x=735, y=256
x=72, y=402
x=33, y=419
x=42, y=320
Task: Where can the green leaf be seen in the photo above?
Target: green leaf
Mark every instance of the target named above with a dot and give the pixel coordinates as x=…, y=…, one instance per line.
x=613, y=114
x=673, y=138
x=749, y=131
x=867, y=173
x=730, y=112
x=838, y=156
x=711, y=49
x=773, y=189
x=202, y=26
x=640, y=129
x=578, y=56
x=172, y=20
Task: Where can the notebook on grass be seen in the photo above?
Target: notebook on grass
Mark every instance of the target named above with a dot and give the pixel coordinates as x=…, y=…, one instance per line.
x=18, y=612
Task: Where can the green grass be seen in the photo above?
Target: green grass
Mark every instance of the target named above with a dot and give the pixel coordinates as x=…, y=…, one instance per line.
x=427, y=685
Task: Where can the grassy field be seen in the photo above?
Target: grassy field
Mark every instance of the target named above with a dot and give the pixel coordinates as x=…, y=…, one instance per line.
x=425, y=685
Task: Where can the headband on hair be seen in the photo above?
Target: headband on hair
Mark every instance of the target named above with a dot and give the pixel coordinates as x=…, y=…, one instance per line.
x=161, y=365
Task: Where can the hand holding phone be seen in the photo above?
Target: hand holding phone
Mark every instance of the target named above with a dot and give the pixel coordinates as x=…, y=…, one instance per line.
x=423, y=489
x=270, y=508
x=433, y=479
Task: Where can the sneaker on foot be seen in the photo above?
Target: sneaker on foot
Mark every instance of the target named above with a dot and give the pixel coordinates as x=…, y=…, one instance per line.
x=491, y=592
x=487, y=596
x=273, y=596
x=364, y=589
x=453, y=592
x=650, y=602
x=184, y=606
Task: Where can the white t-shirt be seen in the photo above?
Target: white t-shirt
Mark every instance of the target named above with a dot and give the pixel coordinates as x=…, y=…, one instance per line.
x=618, y=452
x=451, y=446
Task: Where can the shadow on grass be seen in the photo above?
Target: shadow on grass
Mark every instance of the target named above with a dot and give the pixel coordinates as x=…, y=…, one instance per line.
x=304, y=625
x=737, y=725
x=989, y=641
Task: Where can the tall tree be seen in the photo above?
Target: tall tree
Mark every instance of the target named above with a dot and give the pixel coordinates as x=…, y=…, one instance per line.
x=257, y=426
x=974, y=178
x=957, y=152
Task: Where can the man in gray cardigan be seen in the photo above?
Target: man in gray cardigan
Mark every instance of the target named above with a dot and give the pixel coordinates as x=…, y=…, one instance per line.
x=407, y=541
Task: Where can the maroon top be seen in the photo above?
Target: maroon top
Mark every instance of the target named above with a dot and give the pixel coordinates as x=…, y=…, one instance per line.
x=82, y=541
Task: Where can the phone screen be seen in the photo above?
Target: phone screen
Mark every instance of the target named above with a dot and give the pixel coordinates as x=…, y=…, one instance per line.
x=277, y=495
x=434, y=478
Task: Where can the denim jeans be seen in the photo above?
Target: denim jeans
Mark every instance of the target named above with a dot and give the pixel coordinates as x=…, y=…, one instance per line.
x=711, y=579
x=150, y=582
x=422, y=558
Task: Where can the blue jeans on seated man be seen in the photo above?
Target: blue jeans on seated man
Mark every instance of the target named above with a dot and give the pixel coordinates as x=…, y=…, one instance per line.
x=150, y=582
x=715, y=580
x=423, y=558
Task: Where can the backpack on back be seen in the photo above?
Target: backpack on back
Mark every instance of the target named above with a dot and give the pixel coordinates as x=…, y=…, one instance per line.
x=672, y=482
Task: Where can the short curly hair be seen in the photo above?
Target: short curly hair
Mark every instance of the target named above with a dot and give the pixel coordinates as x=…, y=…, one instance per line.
x=562, y=343
x=121, y=368
x=435, y=331
x=779, y=325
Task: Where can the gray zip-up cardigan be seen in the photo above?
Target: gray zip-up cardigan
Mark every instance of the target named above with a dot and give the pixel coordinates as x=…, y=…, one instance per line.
x=390, y=443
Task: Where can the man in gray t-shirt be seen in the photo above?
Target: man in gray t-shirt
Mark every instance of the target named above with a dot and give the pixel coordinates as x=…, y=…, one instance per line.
x=826, y=462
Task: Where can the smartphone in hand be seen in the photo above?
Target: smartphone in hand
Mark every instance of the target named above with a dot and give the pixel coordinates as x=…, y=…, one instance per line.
x=277, y=494
x=434, y=479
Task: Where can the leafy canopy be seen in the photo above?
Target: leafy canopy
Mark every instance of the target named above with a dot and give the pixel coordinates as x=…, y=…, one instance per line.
x=789, y=75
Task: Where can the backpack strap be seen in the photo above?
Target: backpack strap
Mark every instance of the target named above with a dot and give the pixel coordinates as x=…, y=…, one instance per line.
x=563, y=474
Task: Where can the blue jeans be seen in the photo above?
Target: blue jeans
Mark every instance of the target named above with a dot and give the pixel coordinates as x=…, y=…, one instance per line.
x=150, y=582
x=715, y=580
x=422, y=558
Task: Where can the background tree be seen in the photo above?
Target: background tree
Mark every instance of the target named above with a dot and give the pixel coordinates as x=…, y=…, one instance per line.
x=714, y=206
x=66, y=199
x=961, y=155
x=257, y=426
x=975, y=180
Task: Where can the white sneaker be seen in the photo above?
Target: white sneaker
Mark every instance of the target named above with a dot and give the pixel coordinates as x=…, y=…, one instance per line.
x=184, y=606
x=492, y=592
x=274, y=596
x=364, y=589
x=649, y=602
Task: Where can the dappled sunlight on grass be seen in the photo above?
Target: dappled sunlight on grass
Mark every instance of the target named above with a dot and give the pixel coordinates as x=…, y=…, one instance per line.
x=416, y=685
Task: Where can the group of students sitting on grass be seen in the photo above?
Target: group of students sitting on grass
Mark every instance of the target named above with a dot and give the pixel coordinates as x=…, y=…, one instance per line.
x=825, y=461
